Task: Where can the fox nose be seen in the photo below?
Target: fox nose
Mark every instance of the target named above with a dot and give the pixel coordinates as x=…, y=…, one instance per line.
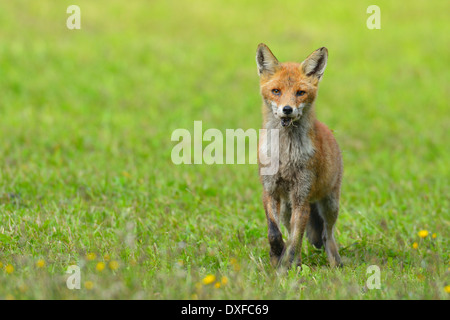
x=287, y=110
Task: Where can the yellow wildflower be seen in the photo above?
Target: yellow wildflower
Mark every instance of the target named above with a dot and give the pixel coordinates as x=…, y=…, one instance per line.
x=423, y=233
x=40, y=263
x=100, y=266
x=209, y=279
x=434, y=235
x=9, y=269
x=217, y=285
x=415, y=245
x=114, y=265
x=447, y=289
x=91, y=256
x=224, y=280
x=89, y=285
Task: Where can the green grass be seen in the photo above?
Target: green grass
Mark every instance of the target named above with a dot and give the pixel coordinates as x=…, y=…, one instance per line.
x=86, y=118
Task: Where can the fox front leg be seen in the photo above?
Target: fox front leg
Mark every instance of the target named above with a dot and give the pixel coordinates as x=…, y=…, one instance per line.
x=272, y=209
x=299, y=219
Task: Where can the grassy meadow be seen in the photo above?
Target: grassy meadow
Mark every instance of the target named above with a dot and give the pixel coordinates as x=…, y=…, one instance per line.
x=86, y=176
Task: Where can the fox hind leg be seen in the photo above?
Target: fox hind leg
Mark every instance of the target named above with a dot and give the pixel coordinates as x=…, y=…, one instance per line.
x=314, y=228
x=328, y=209
x=285, y=214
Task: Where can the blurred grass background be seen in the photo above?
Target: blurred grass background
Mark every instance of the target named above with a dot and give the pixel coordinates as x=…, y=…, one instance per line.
x=86, y=118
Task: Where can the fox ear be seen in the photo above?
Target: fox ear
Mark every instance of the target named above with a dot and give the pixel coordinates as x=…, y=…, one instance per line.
x=315, y=64
x=265, y=60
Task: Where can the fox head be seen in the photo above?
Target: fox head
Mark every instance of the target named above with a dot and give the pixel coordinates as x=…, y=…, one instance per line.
x=289, y=89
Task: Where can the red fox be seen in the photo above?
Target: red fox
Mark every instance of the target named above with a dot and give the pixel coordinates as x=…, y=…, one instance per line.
x=304, y=193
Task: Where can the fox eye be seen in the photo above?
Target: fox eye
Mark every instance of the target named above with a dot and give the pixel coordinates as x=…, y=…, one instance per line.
x=300, y=93
x=276, y=92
